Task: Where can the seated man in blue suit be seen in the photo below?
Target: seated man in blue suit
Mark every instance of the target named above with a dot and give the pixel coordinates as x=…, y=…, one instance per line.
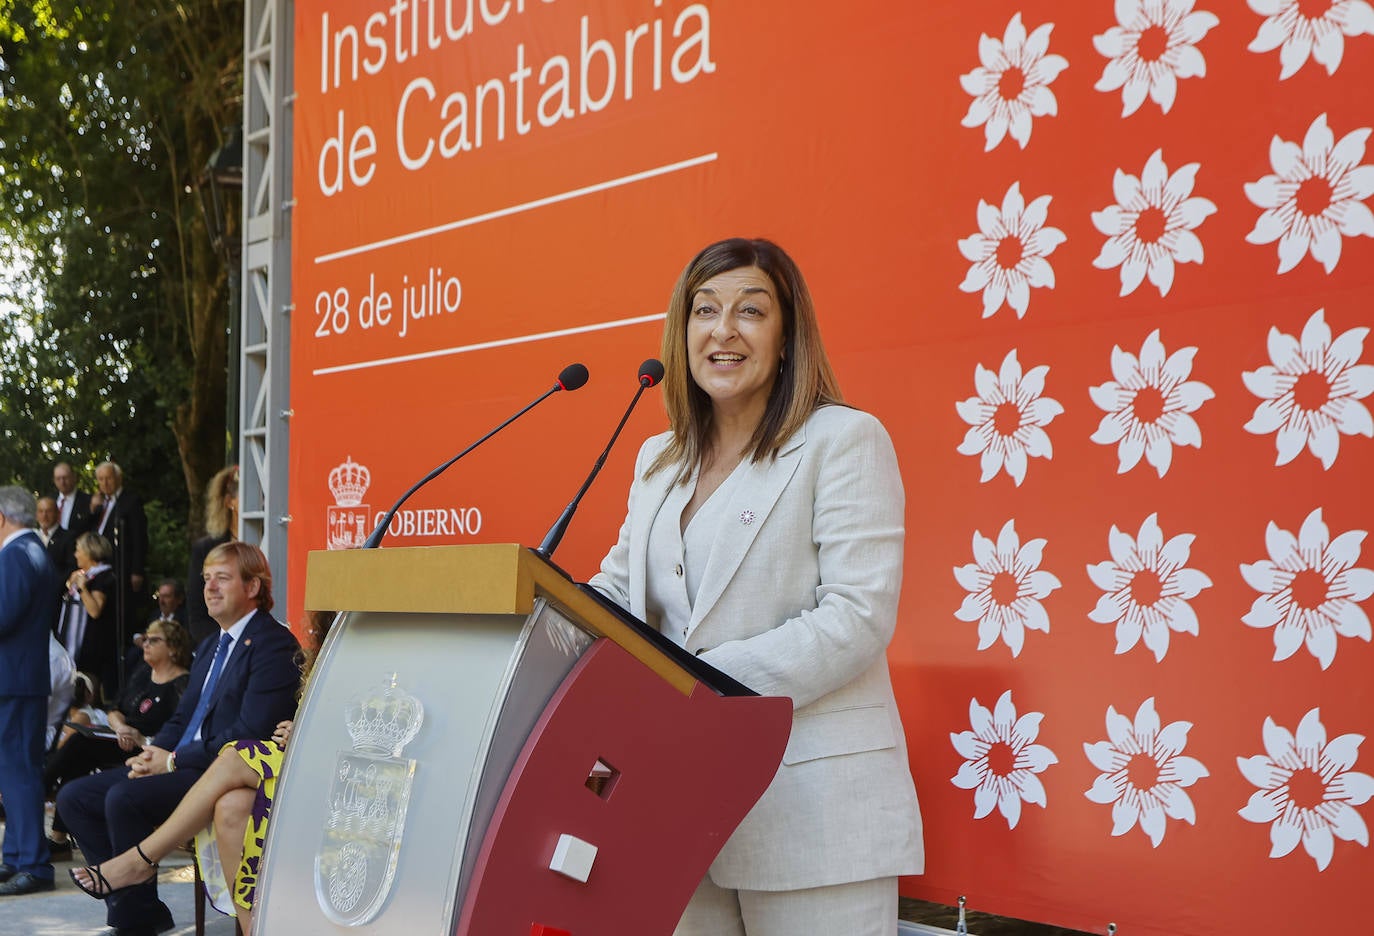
x=243, y=682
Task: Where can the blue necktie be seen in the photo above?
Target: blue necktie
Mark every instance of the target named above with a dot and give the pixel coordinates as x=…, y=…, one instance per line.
x=203, y=704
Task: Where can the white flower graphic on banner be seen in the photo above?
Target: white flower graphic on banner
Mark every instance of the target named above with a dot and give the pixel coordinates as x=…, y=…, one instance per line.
x=1309, y=588
x=1148, y=405
x=1005, y=586
x=1007, y=418
x=1148, y=587
x=1290, y=24
x=1307, y=790
x=1008, y=254
x=1150, y=228
x=1144, y=771
x=1153, y=45
x=1314, y=196
x=1011, y=86
x=1001, y=759
x=1310, y=394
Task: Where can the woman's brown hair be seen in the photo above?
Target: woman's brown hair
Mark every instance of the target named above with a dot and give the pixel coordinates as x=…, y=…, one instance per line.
x=222, y=486
x=177, y=639
x=805, y=382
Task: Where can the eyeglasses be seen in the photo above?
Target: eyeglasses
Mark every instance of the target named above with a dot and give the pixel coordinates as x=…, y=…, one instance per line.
x=153, y=638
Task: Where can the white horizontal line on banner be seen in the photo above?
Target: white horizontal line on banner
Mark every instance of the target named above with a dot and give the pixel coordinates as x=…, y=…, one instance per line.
x=484, y=345
x=517, y=209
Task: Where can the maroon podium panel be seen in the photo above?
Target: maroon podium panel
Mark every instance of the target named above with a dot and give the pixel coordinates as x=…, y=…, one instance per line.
x=679, y=774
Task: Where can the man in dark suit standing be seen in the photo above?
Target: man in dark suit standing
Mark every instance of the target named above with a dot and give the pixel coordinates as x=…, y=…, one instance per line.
x=28, y=597
x=119, y=517
x=242, y=684
x=59, y=543
x=73, y=506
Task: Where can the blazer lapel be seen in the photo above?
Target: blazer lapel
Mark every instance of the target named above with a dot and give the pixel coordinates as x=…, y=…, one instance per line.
x=753, y=499
x=653, y=492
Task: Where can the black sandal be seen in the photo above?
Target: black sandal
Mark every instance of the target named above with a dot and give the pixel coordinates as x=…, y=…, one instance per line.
x=146, y=860
x=100, y=887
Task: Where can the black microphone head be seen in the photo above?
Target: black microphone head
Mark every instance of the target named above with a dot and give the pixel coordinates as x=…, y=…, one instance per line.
x=573, y=377
x=651, y=372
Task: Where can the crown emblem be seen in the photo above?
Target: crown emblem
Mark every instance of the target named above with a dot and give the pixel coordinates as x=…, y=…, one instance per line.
x=348, y=483
x=384, y=719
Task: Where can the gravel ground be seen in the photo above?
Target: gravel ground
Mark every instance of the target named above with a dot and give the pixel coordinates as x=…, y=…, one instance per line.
x=66, y=911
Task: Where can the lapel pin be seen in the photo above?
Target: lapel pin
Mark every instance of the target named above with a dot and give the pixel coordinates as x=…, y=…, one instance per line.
x=747, y=517
x=248, y=642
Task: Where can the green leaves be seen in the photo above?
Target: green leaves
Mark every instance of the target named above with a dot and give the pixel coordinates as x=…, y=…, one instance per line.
x=112, y=300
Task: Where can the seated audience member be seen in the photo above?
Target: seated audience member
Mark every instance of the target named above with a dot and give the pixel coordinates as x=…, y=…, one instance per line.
x=63, y=673
x=171, y=606
x=149, y=698
x=85, y=708
x=221, y=526
x=171, y=601
x=236, y=793
x=243, y=683
x=88, y=629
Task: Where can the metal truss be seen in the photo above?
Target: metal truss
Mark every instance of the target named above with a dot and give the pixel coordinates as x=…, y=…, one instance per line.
x=265, y=328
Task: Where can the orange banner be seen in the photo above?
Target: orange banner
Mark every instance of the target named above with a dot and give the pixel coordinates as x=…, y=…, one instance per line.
x=1104, y=271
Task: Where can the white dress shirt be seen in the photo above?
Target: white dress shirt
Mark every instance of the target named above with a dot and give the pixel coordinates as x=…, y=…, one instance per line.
x=235, y=633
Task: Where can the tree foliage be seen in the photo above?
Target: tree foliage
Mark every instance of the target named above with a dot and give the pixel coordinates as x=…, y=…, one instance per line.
x=113, y=303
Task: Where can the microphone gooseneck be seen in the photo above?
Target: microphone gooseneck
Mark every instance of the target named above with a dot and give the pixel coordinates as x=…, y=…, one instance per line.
x=650, y=373
x=572, y=377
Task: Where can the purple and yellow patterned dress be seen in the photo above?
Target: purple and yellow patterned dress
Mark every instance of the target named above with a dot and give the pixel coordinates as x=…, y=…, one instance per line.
x=265, y=759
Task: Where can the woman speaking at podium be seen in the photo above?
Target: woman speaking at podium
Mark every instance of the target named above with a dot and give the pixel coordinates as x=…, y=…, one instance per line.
x=764, y=534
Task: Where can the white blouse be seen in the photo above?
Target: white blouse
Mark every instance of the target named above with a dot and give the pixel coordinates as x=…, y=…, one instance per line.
x=677, y=557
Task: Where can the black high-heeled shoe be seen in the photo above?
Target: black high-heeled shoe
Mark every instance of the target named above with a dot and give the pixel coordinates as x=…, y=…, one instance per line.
x=100, y=888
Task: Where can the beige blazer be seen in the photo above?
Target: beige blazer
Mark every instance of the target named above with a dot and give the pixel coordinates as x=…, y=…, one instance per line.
x=799, y=599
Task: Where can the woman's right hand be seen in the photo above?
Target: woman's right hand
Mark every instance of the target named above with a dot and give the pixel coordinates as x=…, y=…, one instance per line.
x=129, y=738
x=283, y=732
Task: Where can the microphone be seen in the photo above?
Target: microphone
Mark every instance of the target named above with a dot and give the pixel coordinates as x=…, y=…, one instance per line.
x=571, y=377
x=650, y=373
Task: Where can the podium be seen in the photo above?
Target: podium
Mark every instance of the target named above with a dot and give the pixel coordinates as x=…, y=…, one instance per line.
x=489, y=749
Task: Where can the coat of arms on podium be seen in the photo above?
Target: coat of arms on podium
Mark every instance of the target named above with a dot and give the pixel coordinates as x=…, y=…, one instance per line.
x=356, y=861
x=347, y=517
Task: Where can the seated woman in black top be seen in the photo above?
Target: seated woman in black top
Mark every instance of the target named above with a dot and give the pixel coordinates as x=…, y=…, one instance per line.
x=149, y=699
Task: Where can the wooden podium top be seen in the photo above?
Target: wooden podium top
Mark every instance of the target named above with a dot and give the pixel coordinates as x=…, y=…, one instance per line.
x=503, y=578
